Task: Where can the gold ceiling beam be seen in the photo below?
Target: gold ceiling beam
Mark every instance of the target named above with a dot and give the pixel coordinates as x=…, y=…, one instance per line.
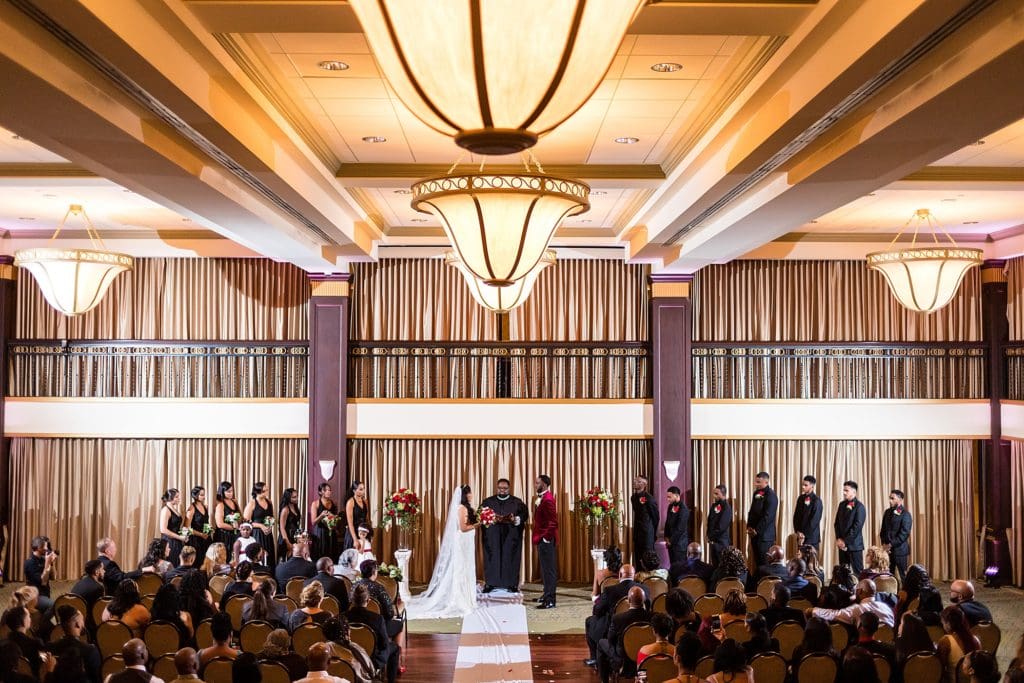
x=44, y=170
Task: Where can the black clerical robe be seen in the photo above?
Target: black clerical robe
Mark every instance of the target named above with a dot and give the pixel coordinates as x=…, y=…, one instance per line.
x=503, y=542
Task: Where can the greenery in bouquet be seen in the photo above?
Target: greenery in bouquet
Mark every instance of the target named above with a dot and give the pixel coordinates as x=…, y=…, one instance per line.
x=184, y=532
x=330, y=521
x=597, y=506
x=486, y=516
x=269, y=522
x=390, y=570
x=207, y=529
x=233, y=519
x=403, y=509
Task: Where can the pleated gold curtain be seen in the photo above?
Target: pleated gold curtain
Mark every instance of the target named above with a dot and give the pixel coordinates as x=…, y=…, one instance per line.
x=1015, y=297
x=1016, y=532
x=77, y=491
x=937, y=476
x=433, y=468
x=181, y=298
x=792, y=301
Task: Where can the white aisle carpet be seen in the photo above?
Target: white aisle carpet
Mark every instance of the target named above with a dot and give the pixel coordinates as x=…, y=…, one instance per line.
x=495, y=645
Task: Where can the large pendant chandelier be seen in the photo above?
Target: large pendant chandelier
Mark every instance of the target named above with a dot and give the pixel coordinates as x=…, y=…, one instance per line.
x=74, y=280
x=494, y=75
x=500, y=223
x=925, y=278
x=501, y=299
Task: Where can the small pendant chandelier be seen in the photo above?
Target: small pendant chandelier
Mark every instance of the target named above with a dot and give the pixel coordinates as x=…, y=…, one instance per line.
x=74, y=280
x=501, y=299
x=925, y=278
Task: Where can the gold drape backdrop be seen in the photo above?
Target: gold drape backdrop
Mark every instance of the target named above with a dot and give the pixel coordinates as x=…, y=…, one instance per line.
x=792, y=301
x=1016, y=533
x=181, y=298
x=77, y=491
x=937, y=476
x=433, y=468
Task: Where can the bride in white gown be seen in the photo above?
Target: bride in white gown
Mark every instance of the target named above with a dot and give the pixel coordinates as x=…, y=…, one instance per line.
x=452, y=589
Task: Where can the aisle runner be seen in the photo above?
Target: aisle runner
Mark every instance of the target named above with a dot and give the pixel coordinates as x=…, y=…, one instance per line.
x=494, y=645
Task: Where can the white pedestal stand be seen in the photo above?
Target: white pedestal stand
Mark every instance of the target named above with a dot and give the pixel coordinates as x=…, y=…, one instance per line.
x=402, y=558
x=598, y=556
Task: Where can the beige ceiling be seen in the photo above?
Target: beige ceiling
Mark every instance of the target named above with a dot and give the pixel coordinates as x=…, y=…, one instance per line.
x=1002, y=148
x=15, y=149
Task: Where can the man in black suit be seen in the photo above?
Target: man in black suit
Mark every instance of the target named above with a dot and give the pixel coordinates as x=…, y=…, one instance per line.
x=112, y=574
x=849, y=527
x=807, y=515
x=90, y=587
x=776, y=566
x=242, y=585
x=761, y=518
x=719, y=524
x=72, y=622
x=780, y=610
x=611, y=655
x=691, y=566
x=677, y=526
x=332, y=585
x=295, y=566
x=601, y=613
x=135, y=657
x=895, y=533
x=645, y=519
x=386, y=651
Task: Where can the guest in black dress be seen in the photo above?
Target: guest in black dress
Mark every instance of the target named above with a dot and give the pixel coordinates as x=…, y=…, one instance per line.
x=324, y=513
x=289, y=521
x=197, y=517
x=258, y=511
x=170, y=524
x=356, y=514
x=226, y=532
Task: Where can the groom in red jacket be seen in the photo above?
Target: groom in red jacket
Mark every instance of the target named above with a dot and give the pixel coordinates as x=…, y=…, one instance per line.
x=545, y=537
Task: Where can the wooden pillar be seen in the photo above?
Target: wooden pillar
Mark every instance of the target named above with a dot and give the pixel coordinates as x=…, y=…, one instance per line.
x=996, y=451
x=328, y=384
x=8, y=300
x=671, y=368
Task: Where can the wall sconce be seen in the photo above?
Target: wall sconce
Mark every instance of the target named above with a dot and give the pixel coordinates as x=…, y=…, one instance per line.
x=671, y=469
x=327, y=469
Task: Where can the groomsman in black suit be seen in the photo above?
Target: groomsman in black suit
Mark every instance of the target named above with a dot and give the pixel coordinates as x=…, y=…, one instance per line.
x=645, y=519
x=849, y=528
x=761, y=518
x=677, y=526
x=719, y=524
x=807, y=515
x=895, y=534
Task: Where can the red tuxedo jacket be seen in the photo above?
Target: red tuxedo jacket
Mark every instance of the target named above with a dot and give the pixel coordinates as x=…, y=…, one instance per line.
x=545, y=520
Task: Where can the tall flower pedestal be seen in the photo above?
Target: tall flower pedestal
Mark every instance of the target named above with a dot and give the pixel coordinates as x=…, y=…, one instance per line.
x=597, y=555
x=402, y=556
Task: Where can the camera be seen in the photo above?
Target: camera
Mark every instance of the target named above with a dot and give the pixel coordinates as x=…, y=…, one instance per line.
x=51, y=551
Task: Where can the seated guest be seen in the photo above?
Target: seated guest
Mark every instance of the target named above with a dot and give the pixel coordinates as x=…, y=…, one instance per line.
x=187, y=561
x=731, y=664
x=760, y=639
x=780, y=610
x=242, y=585
x=386, y=653
x=866, y=630
x=28, y=597
x=112, y=574
x=135, y=657
x=611, y=654
x=246, y=669
x=332, y=586
x=156, y=559
x=39, y=569
x=858, y=667
x=68, y=668
x=597, y=623
x=865, y=602
x=775, y=566
x=90, y=587
x=263, y=606
x=650, y=565
x=679, y=605
x=734, y=608
x=817, y=640
x=255, y=554
x=186, y=660
x=961, y=594
x=839, y=592
x=317, y=660
x=220, y=629
x=731, y=565
x=339, y=641
x=216, y=560
x=982, y=667
x=167, y=607
x=347, y=565
x=126, y=606
x=691, y=566
x=877, y=563
x=912, y=637
x=309, y=611
x=9, y=654
x=957, y=642
x=72, y=623
x=797, y=583
x=278, y=648
x=918, y=585
x=195, y=597
x=19, y=623
x=688, y=653
x=390, y=611
x=809, y=555
x=295, y=566
x=612, y=564
x=663, y=627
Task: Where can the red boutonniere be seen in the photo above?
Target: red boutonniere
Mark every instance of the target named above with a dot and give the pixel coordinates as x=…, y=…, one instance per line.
x=849, y=506
x=807, y=500
x=898, y=511
x=759, y=494
x=675, y=508
x=643, y=500
x=718, y=508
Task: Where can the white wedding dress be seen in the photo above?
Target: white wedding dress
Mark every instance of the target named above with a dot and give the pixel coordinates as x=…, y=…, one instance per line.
x=452, y=589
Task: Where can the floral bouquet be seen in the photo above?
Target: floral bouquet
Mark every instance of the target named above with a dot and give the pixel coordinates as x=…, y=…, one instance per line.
x=185, y=532
x=390, y=570
x=596, y=506
x=486, y=516
x=207, y=529
x=331, y=521
x=233, y=519
x=269, y=522
x=402, y=509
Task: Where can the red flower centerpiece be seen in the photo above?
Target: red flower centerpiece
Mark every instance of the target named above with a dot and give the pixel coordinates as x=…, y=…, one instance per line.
x=486, y=516
x=403, y=509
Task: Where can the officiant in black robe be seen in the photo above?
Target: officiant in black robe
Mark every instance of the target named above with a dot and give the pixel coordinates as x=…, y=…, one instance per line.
x=503, y=540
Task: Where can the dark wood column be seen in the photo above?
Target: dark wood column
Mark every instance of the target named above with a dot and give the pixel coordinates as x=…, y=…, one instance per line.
x=328, y=384
x=996, y=451
x=8, y=300
x=671, y=326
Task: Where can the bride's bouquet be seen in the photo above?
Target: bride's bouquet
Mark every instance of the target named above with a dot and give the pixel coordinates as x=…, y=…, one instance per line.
x=596, y=506
x=390, y=570
x=486, y=516
x=402, y=509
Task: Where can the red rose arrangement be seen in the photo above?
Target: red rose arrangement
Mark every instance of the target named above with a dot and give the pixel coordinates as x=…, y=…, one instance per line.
x=595, y=506
x=486, y=516
x=402, y=509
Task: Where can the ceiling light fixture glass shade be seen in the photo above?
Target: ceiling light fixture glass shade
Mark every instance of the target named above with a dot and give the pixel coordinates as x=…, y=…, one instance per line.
x=74, y=280
x=925, y=278
x=501, y=299
x=495, y=75
x=500, y=223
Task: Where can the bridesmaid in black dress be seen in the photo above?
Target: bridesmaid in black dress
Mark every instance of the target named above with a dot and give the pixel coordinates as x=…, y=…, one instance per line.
x=223, y=531
x=197, y=517
x=289, y=520
x=257, y=512
x=170, y=524
x=356, y=513
x=325, y=537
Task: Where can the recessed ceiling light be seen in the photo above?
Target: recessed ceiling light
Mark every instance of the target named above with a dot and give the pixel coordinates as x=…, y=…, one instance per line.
x=403, y=191
x=418, y=220
x=627, y=141
x=870, y=194
x=949, y=199
x=586, y=220
x=186, y=220
x=26, y=218
x=978, y=143
x=666, y=67
x=333, y=65
x=17, y=137
x=375, y=139
x=50, y=196
x=812, y=221
x=597, y=193
x=970, y=222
